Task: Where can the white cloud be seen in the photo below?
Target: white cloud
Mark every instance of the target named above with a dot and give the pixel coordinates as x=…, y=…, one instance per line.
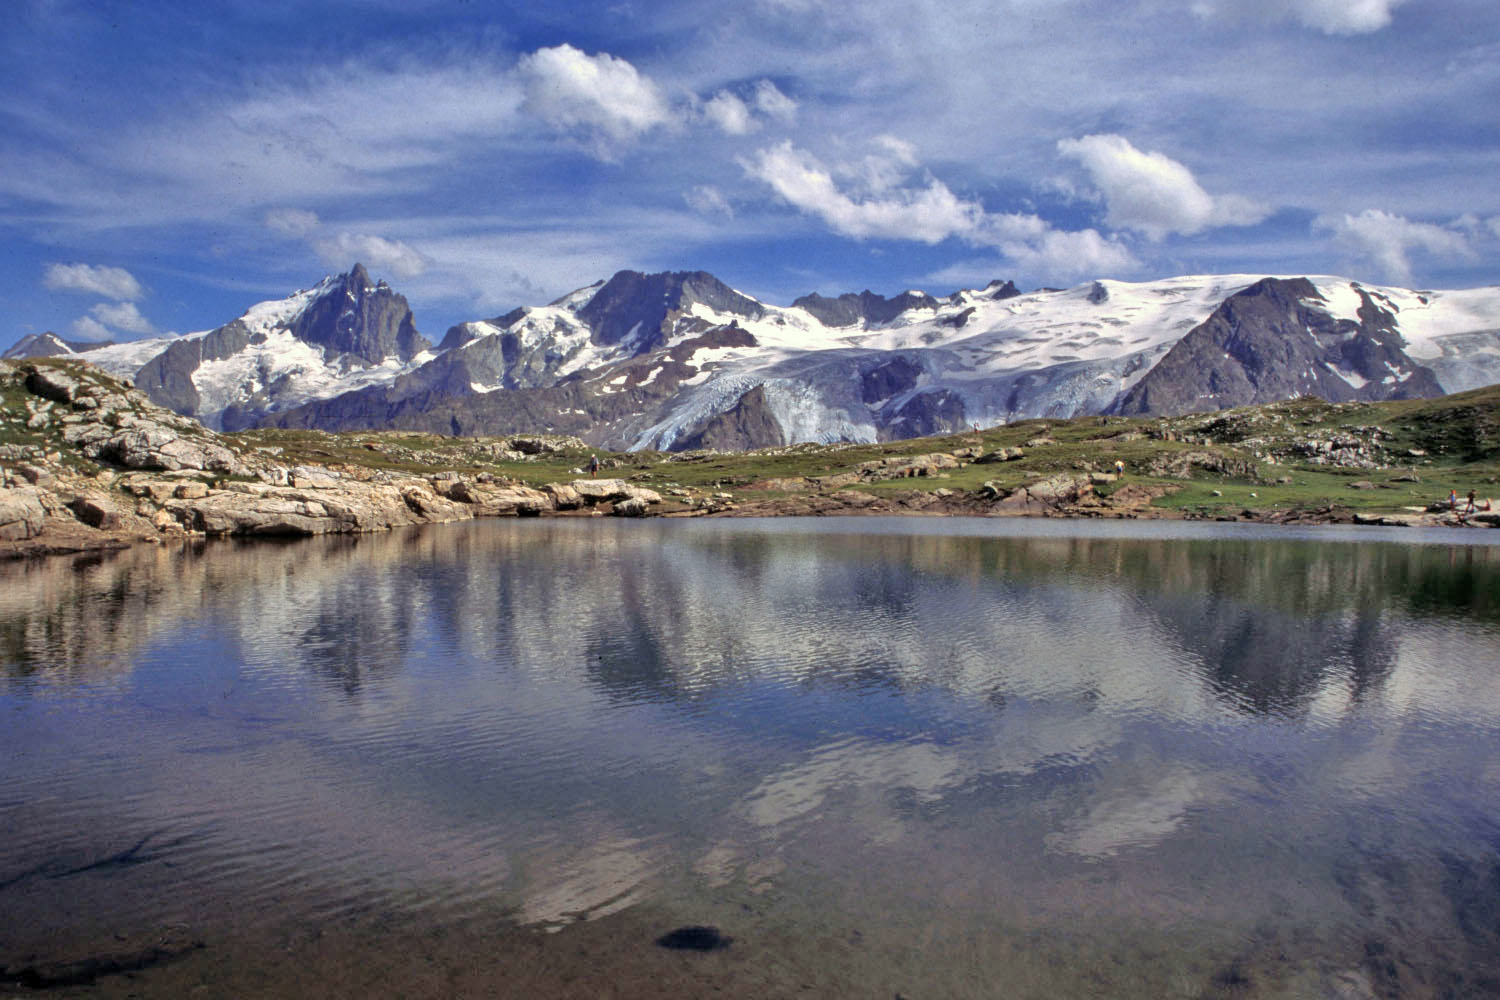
x=380, y=254
x=1388, y=240
x=341, y=249
x=90, y=329
x=570, y=89
x=111, y=282
x=730, y=114
x=708, y=200
x=930, y=213
x=1061, y=254
x=1152, y=193
x=1333, y=17
x=292, y=222
x=735, y=115
x=122, y=316
x=770, y=101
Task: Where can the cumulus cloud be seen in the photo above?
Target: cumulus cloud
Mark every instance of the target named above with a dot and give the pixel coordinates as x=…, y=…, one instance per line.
x=601, y=94
x=929, y=213
x=1388, y=240
x=381, y=254
x=1152, y=193
x=887, y=206
x=340, y=248
x=708, y=200
x=90, y=329
x=1333, y=17
x=729, y=113
x=736, y=115
x=122, y=316
x=111, y=282
x=1081, y=254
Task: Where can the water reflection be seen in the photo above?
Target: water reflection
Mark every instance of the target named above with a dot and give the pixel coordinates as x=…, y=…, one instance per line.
x=1268, y=627
x=869, y=727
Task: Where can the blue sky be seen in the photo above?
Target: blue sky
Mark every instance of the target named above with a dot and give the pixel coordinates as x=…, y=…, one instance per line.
x=165, y=165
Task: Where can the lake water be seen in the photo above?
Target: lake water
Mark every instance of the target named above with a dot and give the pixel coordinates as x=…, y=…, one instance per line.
x=915, y=758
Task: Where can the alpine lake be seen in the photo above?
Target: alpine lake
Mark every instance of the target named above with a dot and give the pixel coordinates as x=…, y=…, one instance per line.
x=859, y=757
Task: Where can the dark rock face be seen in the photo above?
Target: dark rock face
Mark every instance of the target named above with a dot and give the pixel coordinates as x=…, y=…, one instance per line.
x=937, y=412
x=638, y=305
x=748, y=424
x=898, y=375
x=168, y=378
x=999, y=290
x=850, y=309
x=1267, y=343
x=361, y=320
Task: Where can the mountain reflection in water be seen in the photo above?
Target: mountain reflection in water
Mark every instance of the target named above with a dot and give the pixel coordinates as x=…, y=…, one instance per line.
x=1250, y=762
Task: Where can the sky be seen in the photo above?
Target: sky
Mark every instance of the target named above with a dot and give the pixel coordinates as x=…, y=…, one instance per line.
x=165, y=165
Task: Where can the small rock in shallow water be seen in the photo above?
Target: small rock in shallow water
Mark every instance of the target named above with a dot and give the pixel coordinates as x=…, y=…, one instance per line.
x=694, y=938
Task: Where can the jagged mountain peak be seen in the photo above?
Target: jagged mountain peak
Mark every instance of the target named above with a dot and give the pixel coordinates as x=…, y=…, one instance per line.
x=865, y=308
x=633, y=305
x=368, y=322
x=341, y=333
x=39, y=345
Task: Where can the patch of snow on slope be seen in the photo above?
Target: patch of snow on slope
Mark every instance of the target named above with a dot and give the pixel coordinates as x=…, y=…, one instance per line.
x=1353, y=378
x=1340, y=298
x=124, y=360
x=264, y=317
x=1443, y=314
x=297, y=368
x=784, y=329
x=1025, y=332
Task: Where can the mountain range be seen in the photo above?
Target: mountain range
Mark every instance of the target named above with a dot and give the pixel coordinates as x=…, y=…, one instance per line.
x=680, y=360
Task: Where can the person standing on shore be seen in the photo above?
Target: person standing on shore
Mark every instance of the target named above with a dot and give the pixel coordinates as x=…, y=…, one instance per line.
x=593, y=466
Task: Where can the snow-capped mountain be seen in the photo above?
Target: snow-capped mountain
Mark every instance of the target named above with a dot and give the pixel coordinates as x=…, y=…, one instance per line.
x=676, y=361
x=46, y=345
x=681, y=360
x=344, y=333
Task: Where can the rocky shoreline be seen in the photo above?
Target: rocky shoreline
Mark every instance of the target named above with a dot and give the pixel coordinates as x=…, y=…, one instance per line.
x=93, y=465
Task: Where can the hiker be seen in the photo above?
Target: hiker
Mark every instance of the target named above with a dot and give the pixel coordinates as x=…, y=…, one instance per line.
x=593, y=466
x=1119, y=468
x=1472, y=507
x=1453, y=500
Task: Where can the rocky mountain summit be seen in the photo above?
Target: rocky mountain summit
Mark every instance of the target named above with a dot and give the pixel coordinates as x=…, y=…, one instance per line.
x=344, y=332
x=1278, y=340
x=49, y=345
x=680, y=361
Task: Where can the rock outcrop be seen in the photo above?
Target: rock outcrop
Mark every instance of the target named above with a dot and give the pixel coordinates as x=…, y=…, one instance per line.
x=103, y=466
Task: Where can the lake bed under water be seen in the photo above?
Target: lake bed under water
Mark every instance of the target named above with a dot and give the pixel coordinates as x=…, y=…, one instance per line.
x=880, y=757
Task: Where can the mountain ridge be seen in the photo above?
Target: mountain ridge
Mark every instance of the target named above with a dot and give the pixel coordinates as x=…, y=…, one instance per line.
x=680, y=359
